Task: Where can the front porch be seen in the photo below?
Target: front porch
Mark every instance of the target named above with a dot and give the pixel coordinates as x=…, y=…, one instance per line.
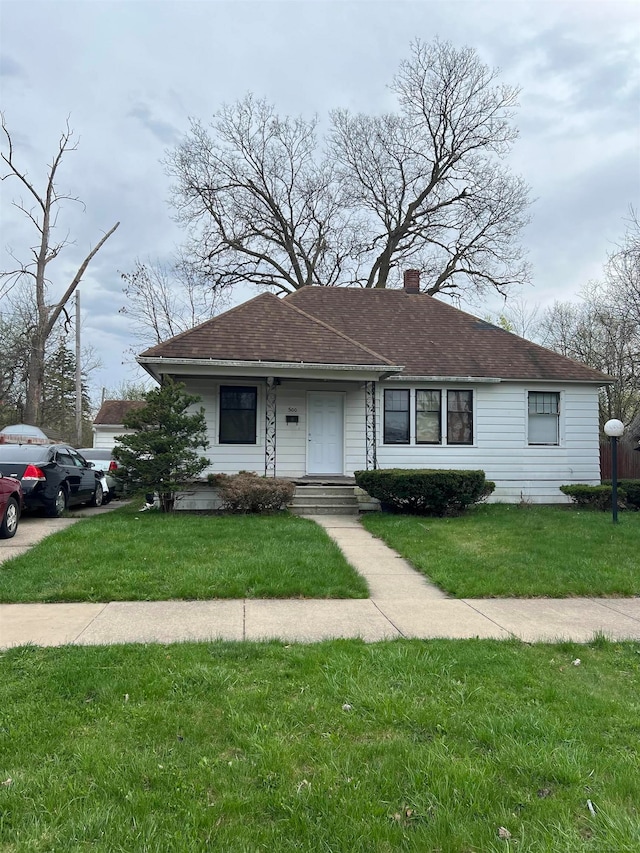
x=330, y=495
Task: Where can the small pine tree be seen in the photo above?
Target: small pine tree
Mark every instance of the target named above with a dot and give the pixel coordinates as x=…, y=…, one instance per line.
x=161, y=455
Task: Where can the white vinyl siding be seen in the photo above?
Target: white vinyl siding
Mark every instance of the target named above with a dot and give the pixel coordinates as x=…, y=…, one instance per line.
x=521, y=471
x=501, y=446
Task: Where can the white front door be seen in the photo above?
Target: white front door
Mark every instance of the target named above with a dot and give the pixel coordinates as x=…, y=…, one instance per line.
x=326, y=427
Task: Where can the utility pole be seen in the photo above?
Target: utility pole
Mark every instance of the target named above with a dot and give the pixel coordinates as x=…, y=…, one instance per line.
x=78, y=376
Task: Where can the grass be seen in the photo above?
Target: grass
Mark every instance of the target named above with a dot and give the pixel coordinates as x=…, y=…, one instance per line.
x=513, y=551
x=341, y=746
x=130, y=556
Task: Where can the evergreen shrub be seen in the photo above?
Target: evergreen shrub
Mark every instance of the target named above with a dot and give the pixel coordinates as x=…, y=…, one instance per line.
x=631, y=488
x=424, y=491
x=595, y=497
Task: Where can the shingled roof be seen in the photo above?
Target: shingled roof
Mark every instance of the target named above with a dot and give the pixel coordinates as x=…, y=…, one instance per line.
x=357, y=326
x=113, y=412
x=268, y=329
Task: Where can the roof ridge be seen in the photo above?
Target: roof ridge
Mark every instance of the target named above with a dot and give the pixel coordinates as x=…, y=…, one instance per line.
x=334, y=330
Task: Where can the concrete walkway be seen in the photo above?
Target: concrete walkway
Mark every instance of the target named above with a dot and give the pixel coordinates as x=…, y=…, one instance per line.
x=402, y=604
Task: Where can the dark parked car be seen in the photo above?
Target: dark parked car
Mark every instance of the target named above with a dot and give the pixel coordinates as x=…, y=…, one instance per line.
x=53, y=476
x=10, y=506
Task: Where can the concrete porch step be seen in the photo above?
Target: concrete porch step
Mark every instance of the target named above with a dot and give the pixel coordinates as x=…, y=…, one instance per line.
x=323, y=500
x=324, y=490
x=331, y=509
x=320, y=499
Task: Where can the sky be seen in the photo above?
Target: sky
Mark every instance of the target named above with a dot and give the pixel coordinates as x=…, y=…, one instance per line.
x=129, y=74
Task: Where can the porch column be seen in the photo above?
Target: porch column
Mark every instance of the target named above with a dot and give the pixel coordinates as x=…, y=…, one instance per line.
x=370, y=424
x=270, y=428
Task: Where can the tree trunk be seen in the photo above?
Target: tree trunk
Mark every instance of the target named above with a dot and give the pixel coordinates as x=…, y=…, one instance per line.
x=35, y=382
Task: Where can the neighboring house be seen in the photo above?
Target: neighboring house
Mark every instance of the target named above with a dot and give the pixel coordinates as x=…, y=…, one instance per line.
x=328, y=381
x=108, y=422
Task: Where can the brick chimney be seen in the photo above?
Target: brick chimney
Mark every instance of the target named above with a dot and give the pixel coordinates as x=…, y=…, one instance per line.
x=412, y=281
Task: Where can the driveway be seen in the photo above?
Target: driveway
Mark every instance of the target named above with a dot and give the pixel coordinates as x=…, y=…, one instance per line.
x=33, y=528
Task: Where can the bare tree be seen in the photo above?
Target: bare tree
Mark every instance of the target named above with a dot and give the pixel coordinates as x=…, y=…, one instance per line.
x=58, y=390
x=597, y=333
x=519, y=317
x=264, y=203
x=622, y=272
x=261, y=208
x=432, y=177
x=41, y=209
x=164, y=299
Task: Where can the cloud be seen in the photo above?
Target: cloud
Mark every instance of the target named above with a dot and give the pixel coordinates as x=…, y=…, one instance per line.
x=10, y=68
x=162, y=130
x=131, y=73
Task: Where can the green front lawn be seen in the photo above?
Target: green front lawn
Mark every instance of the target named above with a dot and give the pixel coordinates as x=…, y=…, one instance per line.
x=126, y=555
x=341, y=746
x=508, y=550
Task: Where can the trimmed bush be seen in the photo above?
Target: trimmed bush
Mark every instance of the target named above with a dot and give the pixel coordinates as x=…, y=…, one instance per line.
x=425, y=491
x=246, y=492
x=595, y=497
x=631, y=488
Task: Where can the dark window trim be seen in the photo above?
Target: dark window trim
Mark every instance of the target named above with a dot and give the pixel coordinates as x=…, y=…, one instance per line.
x=243, y=388
x=469, y=443
x=406, y=391
x=439, y=392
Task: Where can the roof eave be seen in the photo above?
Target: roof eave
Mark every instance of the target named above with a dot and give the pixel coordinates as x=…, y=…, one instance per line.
x=156, y=366
x=494, y=380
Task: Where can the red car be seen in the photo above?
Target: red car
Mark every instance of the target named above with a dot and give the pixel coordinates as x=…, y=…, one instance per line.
x=11, y=501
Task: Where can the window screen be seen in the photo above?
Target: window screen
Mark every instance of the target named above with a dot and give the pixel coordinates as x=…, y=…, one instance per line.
x=544, y=417
x=428, y=417
x=459, y=417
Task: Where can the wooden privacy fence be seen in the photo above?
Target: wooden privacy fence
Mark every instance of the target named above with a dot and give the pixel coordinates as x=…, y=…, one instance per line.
x=628, y=462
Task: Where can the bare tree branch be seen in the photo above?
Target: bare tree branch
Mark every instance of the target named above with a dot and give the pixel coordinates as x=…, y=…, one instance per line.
x=164, y=299
x=262, y=202
x=34, y=273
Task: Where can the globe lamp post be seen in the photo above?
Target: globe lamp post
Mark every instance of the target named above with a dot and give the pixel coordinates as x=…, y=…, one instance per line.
x=614, y=429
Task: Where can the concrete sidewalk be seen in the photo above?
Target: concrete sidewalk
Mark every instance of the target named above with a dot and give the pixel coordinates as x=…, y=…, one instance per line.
x=402, y=604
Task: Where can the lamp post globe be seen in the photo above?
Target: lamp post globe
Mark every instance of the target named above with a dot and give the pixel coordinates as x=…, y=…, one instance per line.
x=614, y=429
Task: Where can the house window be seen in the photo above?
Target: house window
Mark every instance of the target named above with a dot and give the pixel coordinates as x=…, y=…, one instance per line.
x=428, y=417
x=396, y=417
x=459, y=417
x=238, y=405
x=544, y=417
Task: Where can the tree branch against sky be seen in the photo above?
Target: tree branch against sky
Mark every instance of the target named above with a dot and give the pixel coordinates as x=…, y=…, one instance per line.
x=603, y=328
x=41, y=208
x=263, y=202
x=622, y=272
x=259, y=205
x=433, y=176
x=164, y=299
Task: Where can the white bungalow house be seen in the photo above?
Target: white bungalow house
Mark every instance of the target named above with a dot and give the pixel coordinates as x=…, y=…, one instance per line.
x=327, y=381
